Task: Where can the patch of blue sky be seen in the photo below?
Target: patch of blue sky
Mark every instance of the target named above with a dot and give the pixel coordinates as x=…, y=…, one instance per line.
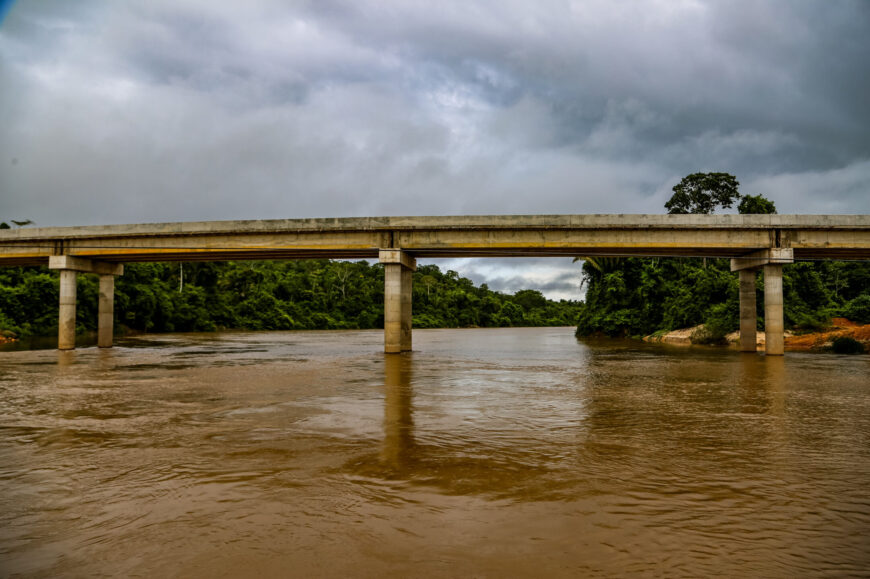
x=5, y=5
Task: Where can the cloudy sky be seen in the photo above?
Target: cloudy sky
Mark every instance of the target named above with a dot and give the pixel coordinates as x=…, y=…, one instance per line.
x=172, y=110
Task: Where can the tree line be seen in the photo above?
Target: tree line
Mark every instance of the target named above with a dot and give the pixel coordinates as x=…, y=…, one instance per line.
x=268, y=295
x=642, y=296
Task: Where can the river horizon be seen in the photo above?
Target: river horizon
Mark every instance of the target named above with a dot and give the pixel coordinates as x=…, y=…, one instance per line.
x=484, y=452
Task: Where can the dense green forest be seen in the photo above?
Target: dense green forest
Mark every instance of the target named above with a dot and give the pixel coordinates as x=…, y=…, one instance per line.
x=642, y=296
x=268, y=295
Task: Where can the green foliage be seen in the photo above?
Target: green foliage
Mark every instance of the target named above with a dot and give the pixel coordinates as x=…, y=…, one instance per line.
x=602, y=264
x=645, y=295
x=28, y=301
x=530, y=299
x=704, y=336
x=755, y=204
x=721, y=319
x=858, y=309
x=641, y=296
x=703, y=192
x=846, y=345
x=278, y=295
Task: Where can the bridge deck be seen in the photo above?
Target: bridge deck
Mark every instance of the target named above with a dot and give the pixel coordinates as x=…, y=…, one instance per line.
x=811, y=236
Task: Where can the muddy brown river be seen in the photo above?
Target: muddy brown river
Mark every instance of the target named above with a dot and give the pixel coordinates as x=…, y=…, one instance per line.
x=484, y=453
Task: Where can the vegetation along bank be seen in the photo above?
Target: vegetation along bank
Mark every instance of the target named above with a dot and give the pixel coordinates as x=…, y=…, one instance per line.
x=651, y=296
x=268, y=295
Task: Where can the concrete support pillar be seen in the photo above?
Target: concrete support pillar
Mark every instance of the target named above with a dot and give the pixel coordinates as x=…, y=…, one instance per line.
x=106, y=321
x=772, y=261
x=69, y=266
x=392, y=308
x=747, y=310
x=398, y=270
x=773, y=321
x=66, y=323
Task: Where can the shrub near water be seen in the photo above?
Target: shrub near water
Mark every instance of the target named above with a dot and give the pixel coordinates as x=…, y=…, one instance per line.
x=702, y=335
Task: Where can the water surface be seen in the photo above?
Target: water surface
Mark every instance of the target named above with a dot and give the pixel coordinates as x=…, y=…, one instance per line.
x=486, y=452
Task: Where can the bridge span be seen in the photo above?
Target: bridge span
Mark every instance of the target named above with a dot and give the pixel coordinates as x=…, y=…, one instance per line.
x=752, y=241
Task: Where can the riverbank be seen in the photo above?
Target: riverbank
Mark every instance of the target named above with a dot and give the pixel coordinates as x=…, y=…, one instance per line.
x=805, y=342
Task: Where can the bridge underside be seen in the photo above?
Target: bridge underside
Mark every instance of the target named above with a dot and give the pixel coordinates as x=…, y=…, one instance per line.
x=369, y=254
x=248, y=255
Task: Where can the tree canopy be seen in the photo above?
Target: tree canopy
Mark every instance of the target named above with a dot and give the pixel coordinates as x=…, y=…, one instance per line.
x=755, y=204
x=703, y=192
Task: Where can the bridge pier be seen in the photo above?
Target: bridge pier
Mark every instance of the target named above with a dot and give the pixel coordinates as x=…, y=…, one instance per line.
x=774, y=341
x=66, y=323
x=398, y=284
x=106, y=311
x=771, y=260
x=748, y=310
x=69, y=267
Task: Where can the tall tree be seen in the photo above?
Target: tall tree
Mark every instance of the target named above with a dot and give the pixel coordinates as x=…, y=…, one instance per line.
x=703, y=193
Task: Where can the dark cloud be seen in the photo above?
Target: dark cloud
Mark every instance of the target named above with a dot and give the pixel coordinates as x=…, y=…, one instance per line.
x=557, y=278
x=168, y=110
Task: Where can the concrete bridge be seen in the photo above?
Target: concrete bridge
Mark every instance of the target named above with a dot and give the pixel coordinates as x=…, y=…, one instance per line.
x=752, y=241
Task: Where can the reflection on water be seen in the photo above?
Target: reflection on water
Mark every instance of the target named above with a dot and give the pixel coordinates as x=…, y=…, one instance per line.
x=510, y=452
x=398, y=448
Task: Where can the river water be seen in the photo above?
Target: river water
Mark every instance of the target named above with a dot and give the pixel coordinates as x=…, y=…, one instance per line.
x=484, y=453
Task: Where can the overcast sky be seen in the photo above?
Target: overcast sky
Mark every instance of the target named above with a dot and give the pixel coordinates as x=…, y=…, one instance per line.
x=174, y=110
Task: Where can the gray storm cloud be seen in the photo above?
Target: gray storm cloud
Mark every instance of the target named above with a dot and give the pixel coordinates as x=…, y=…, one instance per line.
x=162, y=111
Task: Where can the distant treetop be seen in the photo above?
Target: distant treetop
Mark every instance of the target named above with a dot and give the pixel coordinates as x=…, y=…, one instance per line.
x=755, y=204
x=4, y=225
x=702, y=193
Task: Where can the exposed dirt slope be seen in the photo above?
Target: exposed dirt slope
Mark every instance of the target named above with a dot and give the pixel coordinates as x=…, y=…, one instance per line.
x=812, y=341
